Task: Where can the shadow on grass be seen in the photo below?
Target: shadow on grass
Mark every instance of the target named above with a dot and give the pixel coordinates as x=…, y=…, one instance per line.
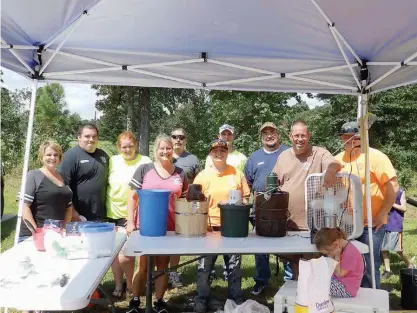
x=7, y=233
x=410, y=232
x=182, y=299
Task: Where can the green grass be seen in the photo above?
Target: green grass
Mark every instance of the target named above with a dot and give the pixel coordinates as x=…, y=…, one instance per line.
x=179, y=297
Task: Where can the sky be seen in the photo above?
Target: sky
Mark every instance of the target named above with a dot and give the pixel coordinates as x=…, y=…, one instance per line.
x=81, y=98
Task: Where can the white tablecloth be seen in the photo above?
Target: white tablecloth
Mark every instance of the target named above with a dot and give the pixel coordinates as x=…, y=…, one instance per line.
x=85, y=275
x=214, y=243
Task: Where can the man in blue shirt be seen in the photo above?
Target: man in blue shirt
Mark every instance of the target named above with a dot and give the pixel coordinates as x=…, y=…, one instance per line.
x=257, y=167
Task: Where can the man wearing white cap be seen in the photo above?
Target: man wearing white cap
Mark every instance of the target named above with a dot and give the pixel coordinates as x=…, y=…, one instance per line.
x=234, y=158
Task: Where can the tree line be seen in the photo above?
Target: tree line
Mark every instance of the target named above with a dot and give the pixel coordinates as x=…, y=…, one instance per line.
x=150, y=111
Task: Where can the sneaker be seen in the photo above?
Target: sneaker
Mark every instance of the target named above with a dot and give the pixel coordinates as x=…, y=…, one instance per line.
x=175, y=280
x=386, y=275
x=134, y=305
x=257, y=289
x=160, y=306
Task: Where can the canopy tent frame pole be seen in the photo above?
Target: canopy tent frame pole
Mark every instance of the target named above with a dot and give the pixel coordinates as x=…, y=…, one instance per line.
x=74, y=26
x=391, y=63
x=391, y=71
x=332, y=24
x=344, y=56
x=81, y=58
x=74, y=23
x=185, y=81
x=319, y=82
x=26, y=159
x=363, y=122
x=394, y=86
x=18, y=47
x=19, y=58
x=117, y=67
x=364, y=130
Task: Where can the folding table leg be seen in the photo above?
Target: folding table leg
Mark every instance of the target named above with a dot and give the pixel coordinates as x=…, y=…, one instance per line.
x=149, y=276
x=107, y=299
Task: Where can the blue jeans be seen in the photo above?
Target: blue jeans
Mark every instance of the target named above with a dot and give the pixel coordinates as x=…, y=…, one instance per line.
x=263, y=272
x=378, y=236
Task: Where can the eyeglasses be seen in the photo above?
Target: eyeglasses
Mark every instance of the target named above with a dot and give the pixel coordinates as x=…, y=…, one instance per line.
x=180, y=137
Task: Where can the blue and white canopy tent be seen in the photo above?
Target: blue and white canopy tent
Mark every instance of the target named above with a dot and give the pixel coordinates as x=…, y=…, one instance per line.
x=322, y=46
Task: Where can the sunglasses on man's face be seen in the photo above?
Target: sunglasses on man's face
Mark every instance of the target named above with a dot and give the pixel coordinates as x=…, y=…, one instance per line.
x=180, y=137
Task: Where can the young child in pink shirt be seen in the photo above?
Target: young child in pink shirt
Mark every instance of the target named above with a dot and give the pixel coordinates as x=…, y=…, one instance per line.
x=347, y=276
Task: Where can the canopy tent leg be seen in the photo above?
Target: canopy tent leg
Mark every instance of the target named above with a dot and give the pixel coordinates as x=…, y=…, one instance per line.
x=364, y=129
x=26, y=159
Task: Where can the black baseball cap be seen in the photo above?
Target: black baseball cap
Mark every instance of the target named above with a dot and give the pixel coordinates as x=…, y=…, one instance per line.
x=349, y=128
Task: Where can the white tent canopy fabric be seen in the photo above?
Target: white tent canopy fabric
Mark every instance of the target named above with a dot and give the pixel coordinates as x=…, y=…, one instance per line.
x=287, y=45
x=323, y=46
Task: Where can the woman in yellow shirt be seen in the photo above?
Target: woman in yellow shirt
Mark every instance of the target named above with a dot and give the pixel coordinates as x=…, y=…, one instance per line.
x=216, y=182
x=121, y=169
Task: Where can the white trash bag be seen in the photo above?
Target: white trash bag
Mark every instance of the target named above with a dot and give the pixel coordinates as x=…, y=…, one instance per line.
x=249, y=306
x=313, y=288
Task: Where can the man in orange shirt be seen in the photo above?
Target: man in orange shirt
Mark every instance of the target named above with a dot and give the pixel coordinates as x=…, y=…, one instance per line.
x=384, y=187
x=216, y=182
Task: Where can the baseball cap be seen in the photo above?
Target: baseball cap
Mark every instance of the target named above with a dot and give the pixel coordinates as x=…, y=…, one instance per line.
x=349, y=128
x=218, y=143
x=226, y=127
x=267, y=124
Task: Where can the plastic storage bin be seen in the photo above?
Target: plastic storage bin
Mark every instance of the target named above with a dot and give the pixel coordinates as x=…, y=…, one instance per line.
x=98, y=238
x=367, y=301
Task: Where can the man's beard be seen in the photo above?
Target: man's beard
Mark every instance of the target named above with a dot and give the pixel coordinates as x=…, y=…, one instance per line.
x=272, y=145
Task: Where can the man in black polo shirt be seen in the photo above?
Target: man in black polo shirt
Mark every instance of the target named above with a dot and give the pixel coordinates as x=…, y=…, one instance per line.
x=85, y=169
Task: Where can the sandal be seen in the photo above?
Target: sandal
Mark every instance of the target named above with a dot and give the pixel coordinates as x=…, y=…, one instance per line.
x=127, y=292
x=118, y=293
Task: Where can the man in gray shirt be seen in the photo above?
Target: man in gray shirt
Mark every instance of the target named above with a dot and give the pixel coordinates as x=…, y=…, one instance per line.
x=190, y=164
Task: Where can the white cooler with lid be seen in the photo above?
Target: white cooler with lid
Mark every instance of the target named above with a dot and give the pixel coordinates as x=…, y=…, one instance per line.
x=366, y=301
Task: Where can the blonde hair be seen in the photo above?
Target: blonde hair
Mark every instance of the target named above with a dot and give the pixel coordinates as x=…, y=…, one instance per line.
x=161, y=138
x=49, y=144
x=326, y=236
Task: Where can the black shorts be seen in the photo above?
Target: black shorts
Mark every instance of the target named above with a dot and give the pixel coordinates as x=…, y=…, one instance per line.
x=118, y=222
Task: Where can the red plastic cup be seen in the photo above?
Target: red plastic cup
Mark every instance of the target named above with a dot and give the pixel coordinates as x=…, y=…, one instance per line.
x=39, y=237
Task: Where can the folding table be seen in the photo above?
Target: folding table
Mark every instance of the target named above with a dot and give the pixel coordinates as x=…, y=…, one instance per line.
x=214, y=243
x=85, y=276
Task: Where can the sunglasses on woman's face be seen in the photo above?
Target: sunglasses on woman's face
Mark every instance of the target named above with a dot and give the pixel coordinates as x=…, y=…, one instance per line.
x=180, y=137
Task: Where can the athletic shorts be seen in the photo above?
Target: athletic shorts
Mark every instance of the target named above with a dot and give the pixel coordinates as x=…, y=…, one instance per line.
x=393, y=241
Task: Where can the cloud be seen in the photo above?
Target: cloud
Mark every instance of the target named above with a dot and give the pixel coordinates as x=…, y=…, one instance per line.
x=80, y=98
x=312, y=103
